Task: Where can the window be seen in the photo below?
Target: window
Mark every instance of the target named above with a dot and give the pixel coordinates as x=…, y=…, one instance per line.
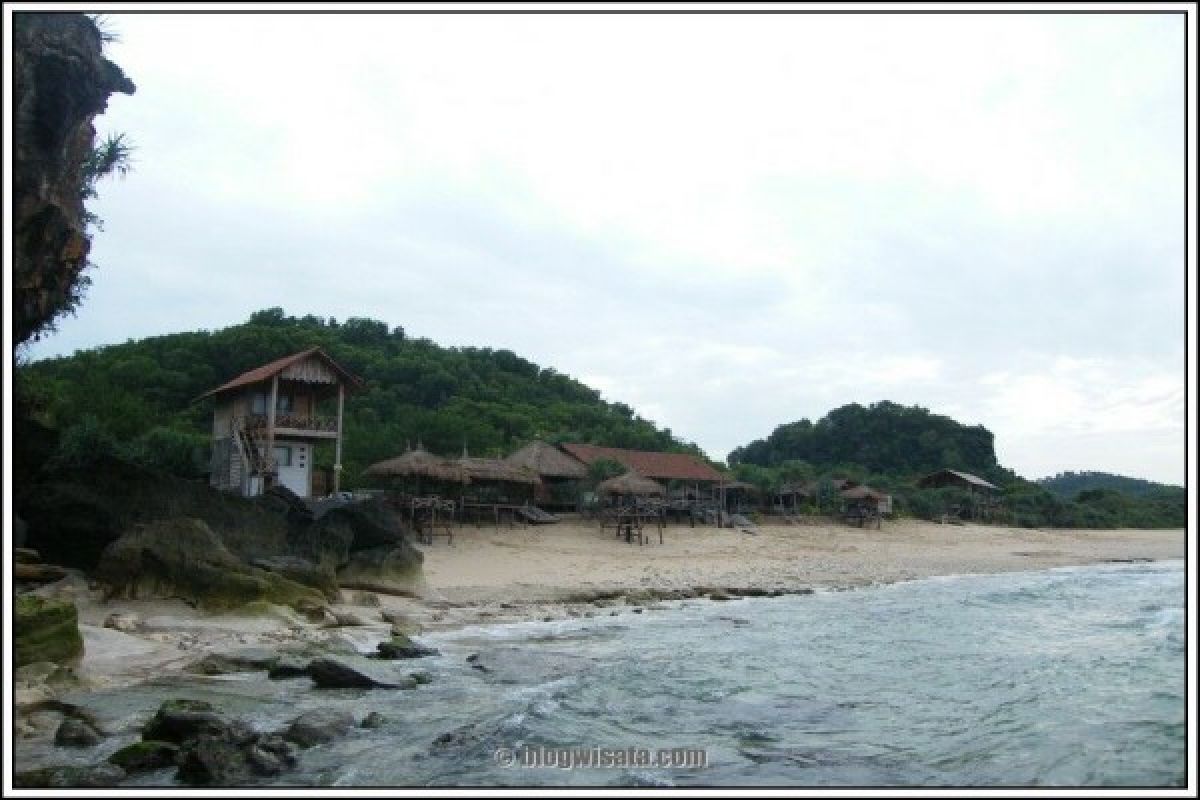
x=258, y=404
x=283, y=455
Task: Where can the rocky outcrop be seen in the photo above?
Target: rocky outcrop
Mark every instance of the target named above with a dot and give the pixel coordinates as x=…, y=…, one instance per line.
x=60, y=82
x=389, y=570
x=183, y=558
x=45, y=629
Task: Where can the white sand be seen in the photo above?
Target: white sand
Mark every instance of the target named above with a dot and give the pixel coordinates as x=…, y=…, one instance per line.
x=509, y=574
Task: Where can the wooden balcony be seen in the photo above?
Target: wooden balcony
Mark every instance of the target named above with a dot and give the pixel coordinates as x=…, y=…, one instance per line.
x=294, y=425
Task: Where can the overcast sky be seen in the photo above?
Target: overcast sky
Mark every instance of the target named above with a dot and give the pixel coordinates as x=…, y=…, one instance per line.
x=728, y=222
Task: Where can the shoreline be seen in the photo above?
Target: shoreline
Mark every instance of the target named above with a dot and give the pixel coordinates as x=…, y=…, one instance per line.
x=497, y=576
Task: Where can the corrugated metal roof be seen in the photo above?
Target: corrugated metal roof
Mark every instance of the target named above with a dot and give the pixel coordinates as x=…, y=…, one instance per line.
x=967, y=477
x=669, y=466
x=266, y=371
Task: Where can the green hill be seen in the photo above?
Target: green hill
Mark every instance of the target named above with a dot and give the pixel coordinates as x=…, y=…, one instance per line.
x=1070, y=484
x=882, y=438
x=140, y=395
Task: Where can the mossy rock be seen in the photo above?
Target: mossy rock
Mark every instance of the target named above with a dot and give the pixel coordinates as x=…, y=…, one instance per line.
x=183, y=558
x=45, y=629
x=146, y=755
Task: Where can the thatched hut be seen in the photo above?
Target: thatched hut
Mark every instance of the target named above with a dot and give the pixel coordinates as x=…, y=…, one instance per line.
x=559, y=472
x=418, y=465
x=867, y=498
x=496, y=479
x=737, y=496
x=631, y=484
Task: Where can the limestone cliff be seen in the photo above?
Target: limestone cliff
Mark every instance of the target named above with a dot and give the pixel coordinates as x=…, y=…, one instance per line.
x=61, y=81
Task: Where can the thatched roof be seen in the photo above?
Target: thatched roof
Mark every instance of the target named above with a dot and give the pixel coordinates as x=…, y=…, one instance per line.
x=497, y=471
x=863, y=493
x=739, y=486
x=630, y=483
x=548, y=461
x=798, y=488
x=418, y=463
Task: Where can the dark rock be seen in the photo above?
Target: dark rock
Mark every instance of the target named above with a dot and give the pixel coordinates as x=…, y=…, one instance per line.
x=329, y=673
x=270, y=754
x=719, y=595
x=319, y=726
x=183, y=558
x=289, y=666
x=422, y=677
x=76, y=733
x=400, y=646
x=249, y=659
x=68, y=777
x=180, y=720
x=45, y=629
x=210, y=760
x=145, y=755
x=373, y=720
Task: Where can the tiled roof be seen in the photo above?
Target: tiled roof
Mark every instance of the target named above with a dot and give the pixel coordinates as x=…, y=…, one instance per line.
x=266, y=371
x=668, y=466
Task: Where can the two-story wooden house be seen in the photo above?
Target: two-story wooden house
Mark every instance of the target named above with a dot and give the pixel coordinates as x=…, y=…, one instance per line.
x=268, y=422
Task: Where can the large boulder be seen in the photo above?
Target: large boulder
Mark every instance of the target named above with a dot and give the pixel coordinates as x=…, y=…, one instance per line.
x=319, y=726
x=183, y=558
x=179, y=720
x=76, y=733
x=245, y=659
x=300, y=570
x=45, y=629
x=331, y=673
x=390, y=570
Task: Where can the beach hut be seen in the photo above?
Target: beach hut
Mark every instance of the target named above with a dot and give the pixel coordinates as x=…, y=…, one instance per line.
x=868, y=498
x=787, y=497
x=631, y=484
x=736, y=496
x=982, y=503
x=559, y=472
x=418, y=464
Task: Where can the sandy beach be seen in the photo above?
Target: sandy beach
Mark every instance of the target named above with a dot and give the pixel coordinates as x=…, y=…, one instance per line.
x=574, y=569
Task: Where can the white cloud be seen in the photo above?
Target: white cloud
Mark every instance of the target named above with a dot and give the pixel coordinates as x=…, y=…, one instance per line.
x=728, y=222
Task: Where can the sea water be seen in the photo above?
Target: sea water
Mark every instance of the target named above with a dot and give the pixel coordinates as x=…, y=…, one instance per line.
x=1071, y=676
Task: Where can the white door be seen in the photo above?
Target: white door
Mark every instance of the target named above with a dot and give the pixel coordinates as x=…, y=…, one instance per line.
x=293, y=460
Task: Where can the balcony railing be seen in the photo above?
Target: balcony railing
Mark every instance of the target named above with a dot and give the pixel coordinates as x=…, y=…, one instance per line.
x=291, y=422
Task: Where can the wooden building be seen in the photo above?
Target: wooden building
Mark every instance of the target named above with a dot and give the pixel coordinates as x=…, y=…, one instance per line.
x=269, y=420
x=561, y=474
x=963, y=480
x=661, y=467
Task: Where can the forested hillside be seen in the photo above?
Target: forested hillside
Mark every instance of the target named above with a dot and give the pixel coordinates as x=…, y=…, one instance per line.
x=1070, y=484
x=141, y=395
x=883, y=437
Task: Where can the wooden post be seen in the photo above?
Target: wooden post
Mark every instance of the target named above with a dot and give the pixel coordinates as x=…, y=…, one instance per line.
x=337, y=447
x=270, y=454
